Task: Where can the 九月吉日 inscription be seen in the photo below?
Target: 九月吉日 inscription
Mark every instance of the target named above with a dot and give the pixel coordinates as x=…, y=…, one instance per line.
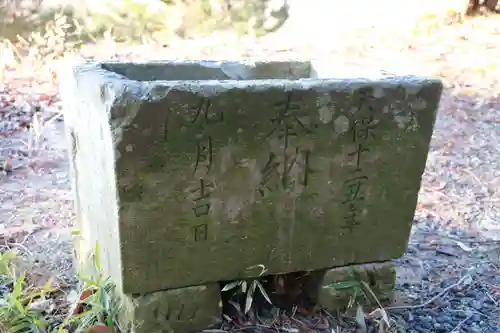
x=204, y=116
x=200, y=232
x=289, y=121
x=204, y=153
x=202, y=197
x=353, y=191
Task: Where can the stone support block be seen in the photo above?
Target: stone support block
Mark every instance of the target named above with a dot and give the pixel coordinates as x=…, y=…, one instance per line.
x=367, y=285
x=180, y=310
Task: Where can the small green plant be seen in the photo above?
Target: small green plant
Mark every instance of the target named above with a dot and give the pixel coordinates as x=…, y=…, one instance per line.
x=6, y=264
x=17, y=315
x=248, y=288
x=97, y=307
x=355, y=289
x=97, y=304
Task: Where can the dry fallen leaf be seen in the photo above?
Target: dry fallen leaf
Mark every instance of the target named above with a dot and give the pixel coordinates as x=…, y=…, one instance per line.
x=37, y=163
x=45, y=305
x=54, y=78
x=99, y=329
x=7, y=166
x=42, y=278
x=17, y=234
x=448, y=251
x=83, y=296
x=463, y=246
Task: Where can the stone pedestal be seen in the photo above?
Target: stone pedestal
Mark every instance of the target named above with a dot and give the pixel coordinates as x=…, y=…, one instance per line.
x=367, y=285
x=190, y=173
x=178, y=310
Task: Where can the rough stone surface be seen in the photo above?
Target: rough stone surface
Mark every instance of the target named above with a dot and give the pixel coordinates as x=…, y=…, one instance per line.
x=188, y=180
x=344, y=286
x=181, y=310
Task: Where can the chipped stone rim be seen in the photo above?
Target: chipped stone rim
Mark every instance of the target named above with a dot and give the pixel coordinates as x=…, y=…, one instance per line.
x=319, y=77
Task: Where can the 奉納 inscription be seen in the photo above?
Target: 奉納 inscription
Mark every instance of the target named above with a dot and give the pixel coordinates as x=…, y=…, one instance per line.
x=354, y=188
x=204, y=115
x=289, y=121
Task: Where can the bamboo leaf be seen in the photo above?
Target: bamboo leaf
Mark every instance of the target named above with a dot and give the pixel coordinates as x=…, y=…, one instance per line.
x=344, y=285
x=263, y=292
x=248, y=302
x=231, y=285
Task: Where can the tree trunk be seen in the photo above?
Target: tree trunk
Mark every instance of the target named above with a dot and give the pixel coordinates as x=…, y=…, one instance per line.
x=473, y=7
x=491, y=4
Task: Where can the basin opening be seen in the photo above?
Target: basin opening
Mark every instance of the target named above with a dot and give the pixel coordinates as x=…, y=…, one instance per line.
x=210, y=70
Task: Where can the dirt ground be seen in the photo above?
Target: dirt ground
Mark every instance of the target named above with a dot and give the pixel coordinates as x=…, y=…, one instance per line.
x=451, y=267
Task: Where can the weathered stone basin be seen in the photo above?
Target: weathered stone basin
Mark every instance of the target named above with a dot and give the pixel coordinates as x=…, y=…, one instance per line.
x=189, y=173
